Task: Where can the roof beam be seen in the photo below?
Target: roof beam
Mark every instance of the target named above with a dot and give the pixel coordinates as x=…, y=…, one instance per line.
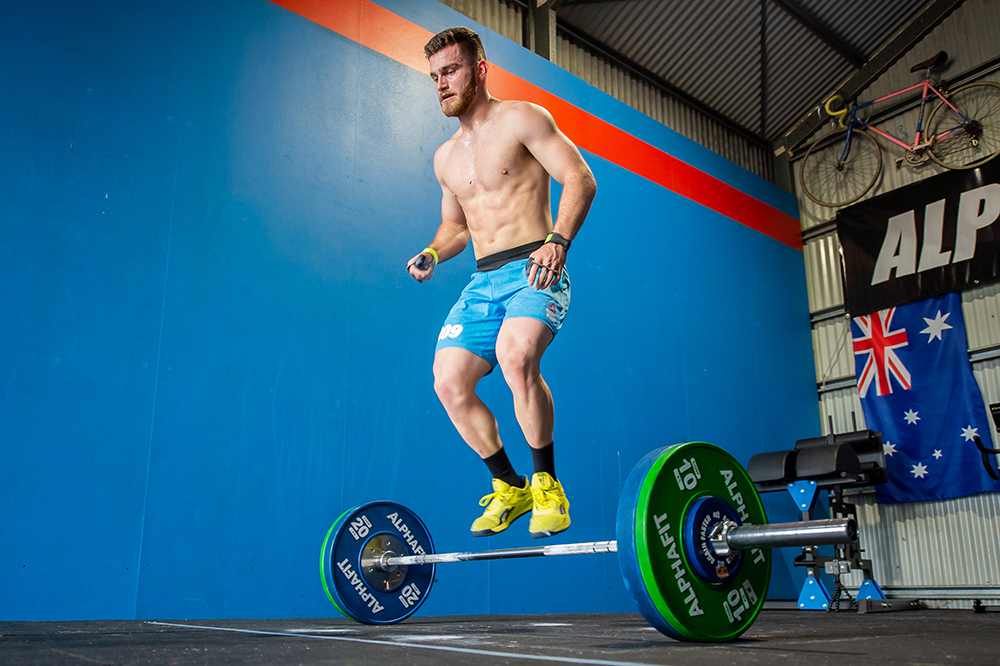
x=623, y=61
x=902, y=41
x=556, y=4
x=542, y=20
x=816, y=27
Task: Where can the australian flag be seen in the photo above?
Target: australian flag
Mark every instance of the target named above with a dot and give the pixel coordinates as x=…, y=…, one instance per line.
x=917, y=388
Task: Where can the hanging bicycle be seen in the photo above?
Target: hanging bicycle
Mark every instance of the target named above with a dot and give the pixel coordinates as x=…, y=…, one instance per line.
x=962, y=132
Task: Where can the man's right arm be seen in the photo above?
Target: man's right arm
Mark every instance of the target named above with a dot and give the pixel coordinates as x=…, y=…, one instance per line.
x=452, y=235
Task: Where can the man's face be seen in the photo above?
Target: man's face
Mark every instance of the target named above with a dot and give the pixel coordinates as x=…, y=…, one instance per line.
x=455, y=79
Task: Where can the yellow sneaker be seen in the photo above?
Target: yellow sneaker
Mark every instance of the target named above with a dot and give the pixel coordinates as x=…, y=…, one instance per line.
x=503, y=506
x=550, y=514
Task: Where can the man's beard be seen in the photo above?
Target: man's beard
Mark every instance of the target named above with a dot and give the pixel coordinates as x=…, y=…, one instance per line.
x=458, y=105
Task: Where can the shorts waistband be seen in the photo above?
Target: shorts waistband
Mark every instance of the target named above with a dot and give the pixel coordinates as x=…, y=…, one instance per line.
x=491, y=262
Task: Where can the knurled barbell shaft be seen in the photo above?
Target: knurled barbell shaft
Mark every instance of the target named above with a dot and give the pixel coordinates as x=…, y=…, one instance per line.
x=809, y=533
x=588, y=548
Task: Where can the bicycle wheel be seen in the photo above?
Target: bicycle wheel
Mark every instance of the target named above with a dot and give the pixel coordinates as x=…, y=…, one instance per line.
x=831, y=181
x=958, y=143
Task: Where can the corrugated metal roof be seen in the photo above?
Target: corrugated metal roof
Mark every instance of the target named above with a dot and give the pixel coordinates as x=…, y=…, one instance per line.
x=715, y=50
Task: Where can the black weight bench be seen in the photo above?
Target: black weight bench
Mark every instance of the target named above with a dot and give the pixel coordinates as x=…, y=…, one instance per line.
x=834, y=463
x=852, y=459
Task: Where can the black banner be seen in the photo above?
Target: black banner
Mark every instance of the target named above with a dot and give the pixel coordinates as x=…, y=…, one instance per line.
x=929, y=238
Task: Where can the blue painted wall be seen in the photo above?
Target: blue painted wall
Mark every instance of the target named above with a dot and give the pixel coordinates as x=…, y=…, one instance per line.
x=210, y=347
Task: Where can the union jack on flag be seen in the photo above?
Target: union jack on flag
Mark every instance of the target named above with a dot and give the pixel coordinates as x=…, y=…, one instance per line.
x=925, y=402
x=879, y=342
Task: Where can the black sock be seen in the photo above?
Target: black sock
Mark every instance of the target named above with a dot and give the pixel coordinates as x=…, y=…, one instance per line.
x=501, y=468
x=545, y=460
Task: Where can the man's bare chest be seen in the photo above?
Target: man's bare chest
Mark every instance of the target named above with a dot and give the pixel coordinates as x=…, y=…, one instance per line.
x=481, y=167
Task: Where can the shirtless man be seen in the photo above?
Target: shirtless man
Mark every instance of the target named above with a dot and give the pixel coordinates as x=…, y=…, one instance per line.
x=494, y=175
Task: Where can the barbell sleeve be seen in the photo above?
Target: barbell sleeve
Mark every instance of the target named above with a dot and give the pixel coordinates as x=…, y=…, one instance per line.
x=808, y=533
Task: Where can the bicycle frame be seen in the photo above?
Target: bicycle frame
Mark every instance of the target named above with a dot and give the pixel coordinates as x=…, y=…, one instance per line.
x=960, y=131
x=924, y=86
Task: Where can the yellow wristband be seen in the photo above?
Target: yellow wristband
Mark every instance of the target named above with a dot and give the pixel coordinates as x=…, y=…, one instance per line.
x=431, y=251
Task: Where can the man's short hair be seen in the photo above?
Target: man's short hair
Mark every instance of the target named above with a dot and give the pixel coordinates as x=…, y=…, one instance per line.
x=466, y=39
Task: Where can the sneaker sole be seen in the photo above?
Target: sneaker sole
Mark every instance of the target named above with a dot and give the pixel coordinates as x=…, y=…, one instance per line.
x=547, y=533
x=499, y=528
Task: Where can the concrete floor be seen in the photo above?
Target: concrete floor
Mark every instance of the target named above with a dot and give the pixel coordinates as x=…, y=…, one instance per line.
x=778, y=636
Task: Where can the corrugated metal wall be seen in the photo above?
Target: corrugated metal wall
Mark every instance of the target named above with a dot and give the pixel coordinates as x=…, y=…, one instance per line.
x=501, y=16
x=507, y=18
x=942, y=552
x=947, y=552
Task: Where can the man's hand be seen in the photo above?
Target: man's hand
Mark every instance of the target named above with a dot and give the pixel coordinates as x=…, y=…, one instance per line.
x=421, y=267
x=545, y=265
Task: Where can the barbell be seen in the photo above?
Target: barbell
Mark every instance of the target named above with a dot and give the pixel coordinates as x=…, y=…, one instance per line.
x=693, y=547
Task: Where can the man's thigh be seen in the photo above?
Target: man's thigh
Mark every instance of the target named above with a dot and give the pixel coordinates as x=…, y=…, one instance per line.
x=523, y=340
x=459, y=366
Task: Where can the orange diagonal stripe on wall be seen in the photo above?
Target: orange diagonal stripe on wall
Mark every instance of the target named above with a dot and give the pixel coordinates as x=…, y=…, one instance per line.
x=393, y=36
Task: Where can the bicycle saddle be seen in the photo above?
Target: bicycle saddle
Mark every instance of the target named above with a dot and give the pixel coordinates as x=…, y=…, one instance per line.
x=931, y=63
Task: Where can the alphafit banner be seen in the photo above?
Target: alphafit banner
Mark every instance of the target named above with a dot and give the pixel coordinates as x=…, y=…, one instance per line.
x=926, y=239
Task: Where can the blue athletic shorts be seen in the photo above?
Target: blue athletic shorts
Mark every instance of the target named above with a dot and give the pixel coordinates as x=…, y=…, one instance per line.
x=493, y=296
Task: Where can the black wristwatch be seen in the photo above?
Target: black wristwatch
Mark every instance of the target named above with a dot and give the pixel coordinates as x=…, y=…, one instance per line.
x=558, y=240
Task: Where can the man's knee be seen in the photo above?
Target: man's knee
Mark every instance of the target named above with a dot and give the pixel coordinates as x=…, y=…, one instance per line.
x=451, y=394
x=446, y=384
x=454, y=381
x=520, y=368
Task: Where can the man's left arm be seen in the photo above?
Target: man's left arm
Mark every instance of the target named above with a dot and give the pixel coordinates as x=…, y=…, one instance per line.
x=563, y=161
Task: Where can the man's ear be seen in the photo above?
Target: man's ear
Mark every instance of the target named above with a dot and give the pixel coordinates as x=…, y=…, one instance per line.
x=482, y=67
